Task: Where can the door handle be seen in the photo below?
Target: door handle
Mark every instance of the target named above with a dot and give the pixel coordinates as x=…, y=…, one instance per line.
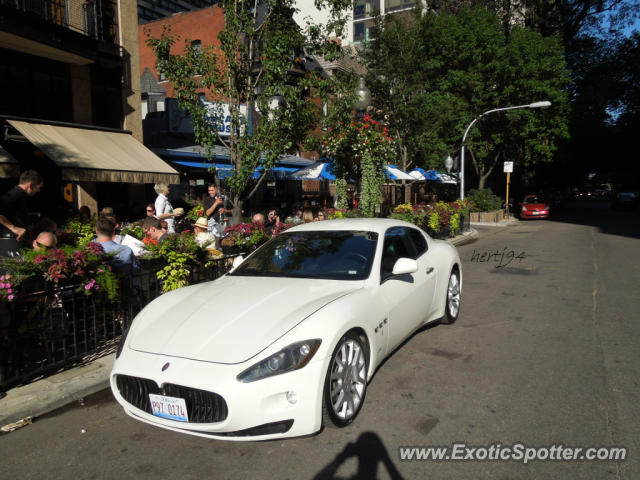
x=429, y=270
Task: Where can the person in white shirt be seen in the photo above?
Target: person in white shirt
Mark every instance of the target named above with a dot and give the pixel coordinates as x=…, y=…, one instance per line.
x=164, y=210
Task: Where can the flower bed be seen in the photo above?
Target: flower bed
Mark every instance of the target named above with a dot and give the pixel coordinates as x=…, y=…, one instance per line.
x=440, y=220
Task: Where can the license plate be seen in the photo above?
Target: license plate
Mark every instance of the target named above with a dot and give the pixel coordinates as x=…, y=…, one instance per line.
x=536, y=213
x=172, y=408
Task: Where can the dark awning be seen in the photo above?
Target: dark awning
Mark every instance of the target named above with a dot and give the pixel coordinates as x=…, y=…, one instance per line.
x=9, y=166
x=97, y=155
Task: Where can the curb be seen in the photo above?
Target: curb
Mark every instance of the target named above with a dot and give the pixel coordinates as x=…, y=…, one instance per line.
x=467, y=237
x=501, y=223
x=50, y=393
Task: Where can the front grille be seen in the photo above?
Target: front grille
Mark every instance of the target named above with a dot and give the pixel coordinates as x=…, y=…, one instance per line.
x=202, y=406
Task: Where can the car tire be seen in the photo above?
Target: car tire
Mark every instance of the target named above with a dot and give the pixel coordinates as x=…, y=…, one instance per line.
x=453, y=298
x=345, y=385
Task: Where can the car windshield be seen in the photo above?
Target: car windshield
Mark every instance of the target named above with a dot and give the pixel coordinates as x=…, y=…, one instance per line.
x=327, y=254
x=534, y=199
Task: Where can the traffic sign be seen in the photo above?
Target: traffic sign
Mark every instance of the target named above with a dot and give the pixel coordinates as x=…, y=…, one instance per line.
x=508, y=167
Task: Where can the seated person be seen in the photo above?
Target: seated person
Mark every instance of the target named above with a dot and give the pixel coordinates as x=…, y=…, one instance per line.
x=203, y=237
x=273, y=220
x=258, y=218
x=44, y=241
x=153, y=230
x=123, y=260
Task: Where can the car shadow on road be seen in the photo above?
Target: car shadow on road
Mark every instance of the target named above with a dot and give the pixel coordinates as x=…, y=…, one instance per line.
x=370, y=453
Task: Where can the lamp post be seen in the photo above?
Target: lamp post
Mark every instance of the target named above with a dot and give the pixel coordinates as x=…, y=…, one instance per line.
x=364, y=98
x=543, y=104
x=448, y=163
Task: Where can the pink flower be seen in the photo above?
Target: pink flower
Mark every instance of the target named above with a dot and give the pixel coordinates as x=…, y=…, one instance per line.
x=10, y=297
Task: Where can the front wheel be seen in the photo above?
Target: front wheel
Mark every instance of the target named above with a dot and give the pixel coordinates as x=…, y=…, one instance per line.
x=346, y=382
x=452, y=305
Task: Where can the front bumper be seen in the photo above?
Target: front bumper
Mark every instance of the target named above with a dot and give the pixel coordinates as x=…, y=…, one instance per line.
x=258, y=410
x=536, y=214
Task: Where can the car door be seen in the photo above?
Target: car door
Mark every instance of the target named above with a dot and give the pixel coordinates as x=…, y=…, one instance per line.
x=407, y=297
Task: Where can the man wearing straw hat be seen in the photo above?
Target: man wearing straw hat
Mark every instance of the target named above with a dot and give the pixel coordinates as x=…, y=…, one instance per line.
x=203, y=238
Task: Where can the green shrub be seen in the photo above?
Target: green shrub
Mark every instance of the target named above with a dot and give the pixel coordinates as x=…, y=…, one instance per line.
x=483, y=200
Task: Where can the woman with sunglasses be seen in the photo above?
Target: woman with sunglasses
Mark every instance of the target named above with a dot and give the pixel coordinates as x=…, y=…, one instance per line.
x=151, y=210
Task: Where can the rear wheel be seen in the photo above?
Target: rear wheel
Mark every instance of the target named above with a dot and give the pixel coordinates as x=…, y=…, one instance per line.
x=452, y=305
x=346, y=382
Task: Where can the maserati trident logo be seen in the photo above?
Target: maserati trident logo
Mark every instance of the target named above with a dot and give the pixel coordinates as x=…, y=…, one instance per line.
x=165, y=366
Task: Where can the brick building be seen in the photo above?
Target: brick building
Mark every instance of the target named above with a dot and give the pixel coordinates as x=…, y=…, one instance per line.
x=169, y=132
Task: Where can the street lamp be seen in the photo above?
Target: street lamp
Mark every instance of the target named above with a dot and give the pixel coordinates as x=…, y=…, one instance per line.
x=364, y=97
x=448, y=163
x=543, y=104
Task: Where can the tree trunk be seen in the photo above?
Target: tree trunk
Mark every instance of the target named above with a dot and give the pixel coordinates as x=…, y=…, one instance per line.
x=236, y=211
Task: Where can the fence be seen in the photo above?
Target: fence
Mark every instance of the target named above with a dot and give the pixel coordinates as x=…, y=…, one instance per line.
x=50, y=330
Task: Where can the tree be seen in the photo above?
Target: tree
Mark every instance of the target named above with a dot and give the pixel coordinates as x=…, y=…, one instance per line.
x=258, y=65
x=456, y=67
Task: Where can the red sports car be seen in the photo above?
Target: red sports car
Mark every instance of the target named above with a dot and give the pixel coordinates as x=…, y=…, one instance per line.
x=534, y=206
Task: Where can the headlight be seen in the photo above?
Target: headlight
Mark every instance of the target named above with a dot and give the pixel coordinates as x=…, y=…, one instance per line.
x=290, y=358
x=524, y=209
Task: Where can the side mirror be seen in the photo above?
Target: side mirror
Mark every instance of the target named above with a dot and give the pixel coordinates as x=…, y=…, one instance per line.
x=404, y=266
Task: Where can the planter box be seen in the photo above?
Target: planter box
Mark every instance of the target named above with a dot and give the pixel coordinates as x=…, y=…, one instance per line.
x=488, y=217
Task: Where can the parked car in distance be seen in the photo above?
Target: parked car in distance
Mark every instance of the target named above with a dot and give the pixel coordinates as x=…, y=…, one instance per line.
x=289, y=339
x=625, y=201
x=534, y=206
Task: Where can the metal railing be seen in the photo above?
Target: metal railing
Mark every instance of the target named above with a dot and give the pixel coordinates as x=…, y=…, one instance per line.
x=50, y=330
x=94, y=18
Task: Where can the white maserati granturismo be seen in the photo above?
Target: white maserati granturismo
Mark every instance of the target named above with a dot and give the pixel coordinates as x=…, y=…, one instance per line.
x=287, y=341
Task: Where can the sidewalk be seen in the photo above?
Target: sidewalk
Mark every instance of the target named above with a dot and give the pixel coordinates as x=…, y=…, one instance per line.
x=502, y=223
x=50, y=393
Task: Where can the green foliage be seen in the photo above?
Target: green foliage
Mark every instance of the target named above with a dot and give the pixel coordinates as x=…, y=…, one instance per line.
x=251, y=64
x=406, y=213
x=341, y=193
x=86, y=265
x=435, y=219
x=179, y=253
x=82, y=232
x=135, y=231
x=443, y=70
x=364, y=144
x=484, y=200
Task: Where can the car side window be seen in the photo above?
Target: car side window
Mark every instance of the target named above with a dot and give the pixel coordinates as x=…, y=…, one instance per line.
x=397, y=244
x=419, y=241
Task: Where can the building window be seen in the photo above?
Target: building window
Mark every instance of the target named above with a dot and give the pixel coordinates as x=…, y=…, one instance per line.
x=197, y=46
x=365, y=8
x=362, y=30
x=395, y=5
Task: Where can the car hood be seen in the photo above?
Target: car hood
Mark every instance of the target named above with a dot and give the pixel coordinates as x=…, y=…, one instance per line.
x=231, y=319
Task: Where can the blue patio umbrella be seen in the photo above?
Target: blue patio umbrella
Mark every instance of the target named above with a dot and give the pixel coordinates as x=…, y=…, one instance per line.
x=224, y=170
x=421, y=174
x=394, y=173
x=320, y=170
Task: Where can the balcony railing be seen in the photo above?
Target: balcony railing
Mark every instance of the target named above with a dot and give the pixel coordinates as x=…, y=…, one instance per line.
x=93, y=18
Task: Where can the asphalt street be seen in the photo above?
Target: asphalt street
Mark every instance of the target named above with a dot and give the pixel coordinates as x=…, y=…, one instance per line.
x=544, y=354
